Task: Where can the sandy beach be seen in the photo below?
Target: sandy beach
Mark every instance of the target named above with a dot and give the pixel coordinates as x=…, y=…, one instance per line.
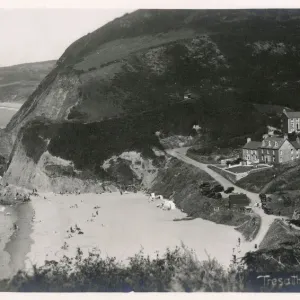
x=119, y=226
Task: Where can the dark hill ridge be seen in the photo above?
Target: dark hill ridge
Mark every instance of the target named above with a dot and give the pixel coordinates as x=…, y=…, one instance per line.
x=137, y=69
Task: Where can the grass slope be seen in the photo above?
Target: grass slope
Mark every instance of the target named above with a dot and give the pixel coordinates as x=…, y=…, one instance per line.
x=19, y=81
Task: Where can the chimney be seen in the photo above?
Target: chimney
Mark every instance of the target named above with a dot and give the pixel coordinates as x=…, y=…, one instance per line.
x=285, y=137
x=248, y=140
x=284, y=111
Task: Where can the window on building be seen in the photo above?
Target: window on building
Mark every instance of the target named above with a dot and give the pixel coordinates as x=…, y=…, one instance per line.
x=270, y=144
x=280, y=159
x=276, y=144
x=273, y=152
x=292, y=122
x=262, y=151
x=280, y=152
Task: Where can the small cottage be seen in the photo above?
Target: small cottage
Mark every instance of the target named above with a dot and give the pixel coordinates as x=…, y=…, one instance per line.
x=238, y=201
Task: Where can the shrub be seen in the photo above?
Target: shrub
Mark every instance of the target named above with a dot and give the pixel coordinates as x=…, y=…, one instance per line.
x=229, y=190
x=177, y=270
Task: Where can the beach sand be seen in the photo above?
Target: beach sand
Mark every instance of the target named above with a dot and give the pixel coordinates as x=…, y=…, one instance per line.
x=124, y=225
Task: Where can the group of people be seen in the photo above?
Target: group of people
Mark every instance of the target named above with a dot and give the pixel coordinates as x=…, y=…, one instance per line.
x=24, y=198
x=77, y=192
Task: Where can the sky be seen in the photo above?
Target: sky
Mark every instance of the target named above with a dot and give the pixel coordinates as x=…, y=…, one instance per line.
x=30, y=35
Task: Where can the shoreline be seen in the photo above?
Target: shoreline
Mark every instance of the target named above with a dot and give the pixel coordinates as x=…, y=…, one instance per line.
x=11, y=105
x=6, y=229
x=20, y=241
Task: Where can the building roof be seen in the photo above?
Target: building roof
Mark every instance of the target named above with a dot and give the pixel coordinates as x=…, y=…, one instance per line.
x=252, y=145
x=240, y=199
x=272, y=142
x=295, y=144
x=292, y=114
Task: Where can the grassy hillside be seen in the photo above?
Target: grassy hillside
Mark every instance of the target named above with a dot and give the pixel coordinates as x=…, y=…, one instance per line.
x=19, y=81
x=182, y=182
x=149, y=58
x=128, y=80
x=278, y=178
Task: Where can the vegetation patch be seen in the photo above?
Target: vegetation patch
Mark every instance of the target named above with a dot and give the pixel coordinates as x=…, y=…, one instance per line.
x=250, y=228
x=178, y=270
x=280, y=235
x=270, y=180
x=284, y=203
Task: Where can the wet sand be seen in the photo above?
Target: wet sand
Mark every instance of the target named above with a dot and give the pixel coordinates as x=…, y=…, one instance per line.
x=121, y=227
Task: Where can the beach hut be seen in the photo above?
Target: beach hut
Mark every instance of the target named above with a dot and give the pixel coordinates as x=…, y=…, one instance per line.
x=238, y=201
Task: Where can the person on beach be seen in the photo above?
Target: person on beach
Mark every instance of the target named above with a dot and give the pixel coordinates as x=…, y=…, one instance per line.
x=234, y=259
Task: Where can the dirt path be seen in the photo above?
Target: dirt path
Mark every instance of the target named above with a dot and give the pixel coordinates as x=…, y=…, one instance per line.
x=266, y=220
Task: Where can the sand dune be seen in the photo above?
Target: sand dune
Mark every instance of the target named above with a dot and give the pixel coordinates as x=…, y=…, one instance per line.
x=120, y=228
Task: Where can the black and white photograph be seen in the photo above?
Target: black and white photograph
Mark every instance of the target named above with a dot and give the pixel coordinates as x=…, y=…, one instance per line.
x=149, y=150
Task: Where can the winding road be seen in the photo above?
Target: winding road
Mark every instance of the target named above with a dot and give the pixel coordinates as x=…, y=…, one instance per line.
x=266, y=220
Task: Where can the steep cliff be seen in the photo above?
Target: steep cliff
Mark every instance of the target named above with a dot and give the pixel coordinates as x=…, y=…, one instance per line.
x=113, y=89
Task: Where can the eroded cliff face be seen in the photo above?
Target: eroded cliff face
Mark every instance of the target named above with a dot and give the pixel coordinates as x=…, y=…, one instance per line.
x=56, y=95
x=53, y=174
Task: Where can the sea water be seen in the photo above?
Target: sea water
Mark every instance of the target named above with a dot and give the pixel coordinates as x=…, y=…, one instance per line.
x=7, y=219
x=5, y=115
